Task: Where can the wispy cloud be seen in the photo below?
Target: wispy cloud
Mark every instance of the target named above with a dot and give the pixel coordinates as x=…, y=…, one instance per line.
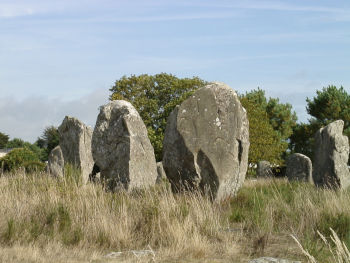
x=10, y=11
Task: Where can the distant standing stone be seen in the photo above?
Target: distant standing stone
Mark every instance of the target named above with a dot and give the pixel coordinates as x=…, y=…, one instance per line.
x=121, y=147
x=299, y=167
x=264, y=169
x=56, y=162
x=161, y=172
x=75, y=143
x=331, y=157
x=206, y=142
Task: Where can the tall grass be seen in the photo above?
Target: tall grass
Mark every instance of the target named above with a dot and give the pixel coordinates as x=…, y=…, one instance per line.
x=38, y=210
x=59, y=217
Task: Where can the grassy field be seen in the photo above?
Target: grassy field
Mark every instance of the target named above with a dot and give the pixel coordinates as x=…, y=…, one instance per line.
x=48, y=220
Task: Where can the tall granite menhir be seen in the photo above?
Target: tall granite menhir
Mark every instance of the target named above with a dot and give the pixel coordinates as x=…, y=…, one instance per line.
x=331, y=157
x=121, y=148
x=206, y=142
x=75, y=143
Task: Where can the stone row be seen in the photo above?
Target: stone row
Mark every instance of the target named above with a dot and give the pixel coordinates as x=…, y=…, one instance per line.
x=205, y=146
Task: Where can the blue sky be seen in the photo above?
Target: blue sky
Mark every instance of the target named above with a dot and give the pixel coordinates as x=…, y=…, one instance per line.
x=60, y=57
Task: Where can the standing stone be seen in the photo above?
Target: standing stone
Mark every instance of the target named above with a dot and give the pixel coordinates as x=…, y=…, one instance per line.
x=121, y=148
x=299, y=167
x=56, y=162
x=331, y=157
x=264, y=169
x=206, y=142
x=75, y=143
x=161, y=172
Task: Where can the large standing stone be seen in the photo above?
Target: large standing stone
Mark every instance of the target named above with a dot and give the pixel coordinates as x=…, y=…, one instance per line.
x=299, y=167
x=56, y=162
x=331, y=157
x=264, y=169
x=75, y=143
x=206, y=142
x=121, y=148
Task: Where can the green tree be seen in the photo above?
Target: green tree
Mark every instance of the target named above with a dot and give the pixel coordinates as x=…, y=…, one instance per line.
x=329, y=104
x=19, y=143
x=302, y=139
x=48, y=140
x=280, y=115
x=271, y=124
x=4, y=138
x=15, y=143
x=154, y=97
x=265, y=142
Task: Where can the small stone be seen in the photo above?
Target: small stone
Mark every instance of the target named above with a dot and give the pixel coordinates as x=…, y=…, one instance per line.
x=56, y=162
x=264, y=169
x=161, y=172
x=299, y=167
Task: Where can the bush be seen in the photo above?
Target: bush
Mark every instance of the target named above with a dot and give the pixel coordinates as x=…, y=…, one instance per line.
x=21, y=157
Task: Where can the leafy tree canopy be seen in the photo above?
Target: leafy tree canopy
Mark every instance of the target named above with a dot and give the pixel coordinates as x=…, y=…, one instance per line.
x=265, y=142
x=280, y=115
x=19, y=143
x=48, y=140
x=154, y=97
x=4, y=138
x=329, y=104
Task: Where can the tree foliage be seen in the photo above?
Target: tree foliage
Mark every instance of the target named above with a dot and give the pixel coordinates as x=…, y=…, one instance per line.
x=19, y=143
x=48, y=140
x=4, y=138
x=265, y=142
x=329, y=104
x=271, y=124
x=281, y=116
x=154, y=97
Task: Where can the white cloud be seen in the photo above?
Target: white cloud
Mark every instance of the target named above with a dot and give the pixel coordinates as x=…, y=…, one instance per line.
x=27, y=118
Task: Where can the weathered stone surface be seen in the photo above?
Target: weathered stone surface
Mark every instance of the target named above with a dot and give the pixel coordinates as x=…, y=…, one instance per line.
x=161, y=172
x=121, y=148
x=75, y=143
x=206, y=142
x=56, y=162
x=331, y=157
x=264, y=169
x=299, y=167
x=272, y=260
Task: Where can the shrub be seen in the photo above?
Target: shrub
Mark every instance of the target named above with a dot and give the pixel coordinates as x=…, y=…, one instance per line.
x=21, y=157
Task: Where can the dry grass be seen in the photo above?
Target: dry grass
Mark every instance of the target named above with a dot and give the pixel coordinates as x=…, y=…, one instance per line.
x=39, y=211
x=48, y=220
